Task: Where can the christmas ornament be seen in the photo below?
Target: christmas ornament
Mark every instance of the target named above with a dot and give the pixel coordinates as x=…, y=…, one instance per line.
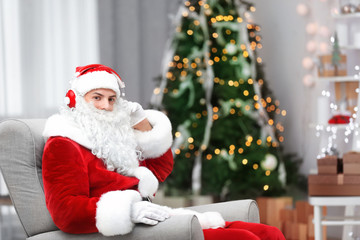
x=311, y=28
x=324, y=47
x=308, y=80
x=269, y=163
x=231, y=48
x=311, y=46
x=349, y=8
x=324, y=31
x=308, y=63
x=302, y=9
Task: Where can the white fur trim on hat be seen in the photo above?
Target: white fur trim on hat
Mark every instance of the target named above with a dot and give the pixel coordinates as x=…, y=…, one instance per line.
x=148, y=183
x=96, y=80
x=158, y=140
x=113, y=212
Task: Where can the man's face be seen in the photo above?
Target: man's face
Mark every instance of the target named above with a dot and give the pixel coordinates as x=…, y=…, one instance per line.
x=103, y=99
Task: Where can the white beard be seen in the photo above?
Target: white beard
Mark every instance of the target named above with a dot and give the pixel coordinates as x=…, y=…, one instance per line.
x=109, y=132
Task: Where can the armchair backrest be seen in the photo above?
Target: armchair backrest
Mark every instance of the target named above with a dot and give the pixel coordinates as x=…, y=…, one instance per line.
x=21, y=148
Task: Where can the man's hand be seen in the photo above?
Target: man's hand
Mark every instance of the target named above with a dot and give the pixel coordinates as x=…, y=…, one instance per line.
x=137, y=113
x=138, y=118
x=148, y=213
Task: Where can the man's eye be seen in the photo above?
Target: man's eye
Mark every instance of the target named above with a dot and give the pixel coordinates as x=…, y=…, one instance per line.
x=96, y=97
x=112, y=99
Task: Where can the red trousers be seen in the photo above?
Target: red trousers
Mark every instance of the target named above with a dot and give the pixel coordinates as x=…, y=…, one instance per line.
x=244, y=231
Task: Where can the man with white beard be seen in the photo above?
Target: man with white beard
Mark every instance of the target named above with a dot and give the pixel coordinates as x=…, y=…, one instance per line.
x=103, y=160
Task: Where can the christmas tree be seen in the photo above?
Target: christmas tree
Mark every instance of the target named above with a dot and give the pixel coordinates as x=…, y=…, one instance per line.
x=226, y=140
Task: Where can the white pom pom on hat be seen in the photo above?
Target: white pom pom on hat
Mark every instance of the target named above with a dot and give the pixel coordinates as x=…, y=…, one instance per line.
x=95, y=76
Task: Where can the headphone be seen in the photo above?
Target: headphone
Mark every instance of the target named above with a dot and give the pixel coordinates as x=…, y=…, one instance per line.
x=70, y=97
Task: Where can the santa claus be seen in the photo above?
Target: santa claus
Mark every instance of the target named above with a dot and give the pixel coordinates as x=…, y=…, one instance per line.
x=103, y=160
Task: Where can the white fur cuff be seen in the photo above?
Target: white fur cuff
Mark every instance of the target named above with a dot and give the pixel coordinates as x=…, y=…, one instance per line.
x=113, y=212
x=207, y=219
x=157, y=141
x=148, y=183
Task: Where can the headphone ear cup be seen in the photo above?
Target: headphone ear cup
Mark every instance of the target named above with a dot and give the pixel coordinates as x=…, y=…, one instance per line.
x=70, y=99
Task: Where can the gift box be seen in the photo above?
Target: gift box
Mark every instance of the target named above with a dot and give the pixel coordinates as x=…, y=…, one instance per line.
x=351, y=163
x=328, y=69
x=333, y=190
x=332, y=179
x=328, y=165
x=270, y=209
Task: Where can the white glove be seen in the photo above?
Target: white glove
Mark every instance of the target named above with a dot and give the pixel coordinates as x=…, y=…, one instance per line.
x=137, y=113
x=148, y=183
x=148, y=213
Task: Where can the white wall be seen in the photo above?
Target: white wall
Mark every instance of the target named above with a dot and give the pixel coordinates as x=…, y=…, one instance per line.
x=132, y=40
x=284, y=46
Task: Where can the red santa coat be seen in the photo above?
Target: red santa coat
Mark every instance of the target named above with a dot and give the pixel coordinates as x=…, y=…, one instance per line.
x=82, y=195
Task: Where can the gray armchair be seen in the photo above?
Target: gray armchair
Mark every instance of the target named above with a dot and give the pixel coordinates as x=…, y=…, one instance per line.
x=21, y=148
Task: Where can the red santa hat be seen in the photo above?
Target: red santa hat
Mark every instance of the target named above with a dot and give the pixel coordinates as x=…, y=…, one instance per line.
x=95, y=76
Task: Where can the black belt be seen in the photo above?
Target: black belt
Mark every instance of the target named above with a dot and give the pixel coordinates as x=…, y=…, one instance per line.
x=146, y=199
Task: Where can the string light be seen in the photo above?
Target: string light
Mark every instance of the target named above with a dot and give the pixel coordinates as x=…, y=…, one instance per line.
x=190, y=140
x=244, y=161
x=157, y=91
x=266, y=187
x=177, y=134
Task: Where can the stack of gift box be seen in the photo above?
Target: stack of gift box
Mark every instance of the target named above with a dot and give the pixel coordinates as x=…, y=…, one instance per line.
x=336, y=176
x=295, y=222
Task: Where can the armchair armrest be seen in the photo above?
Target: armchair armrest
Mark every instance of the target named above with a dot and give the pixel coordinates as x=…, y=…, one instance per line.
x=240, y=210
x=184, y=227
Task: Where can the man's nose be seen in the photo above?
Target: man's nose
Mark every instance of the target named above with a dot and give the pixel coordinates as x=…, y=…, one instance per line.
x=106, y=105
